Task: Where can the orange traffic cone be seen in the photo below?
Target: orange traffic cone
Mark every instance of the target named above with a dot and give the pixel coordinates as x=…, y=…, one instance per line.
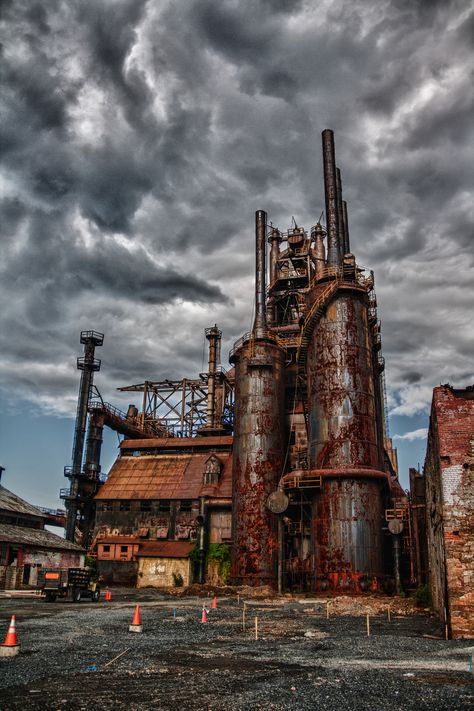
x=214, y=603
x=10, y=648
x=204, y=615
x=108, y=596
x=136, y=625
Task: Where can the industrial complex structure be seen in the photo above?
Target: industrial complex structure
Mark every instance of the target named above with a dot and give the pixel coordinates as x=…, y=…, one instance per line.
x=277, y=471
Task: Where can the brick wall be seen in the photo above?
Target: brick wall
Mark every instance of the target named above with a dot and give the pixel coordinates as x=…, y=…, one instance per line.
x=449, y=471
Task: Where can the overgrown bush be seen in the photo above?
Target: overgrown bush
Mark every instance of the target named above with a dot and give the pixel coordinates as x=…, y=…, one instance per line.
x=422, y=596
x=220, y=552
x=178, y=581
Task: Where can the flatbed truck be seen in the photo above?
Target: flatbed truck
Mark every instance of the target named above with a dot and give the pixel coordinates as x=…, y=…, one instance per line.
x=71, y=583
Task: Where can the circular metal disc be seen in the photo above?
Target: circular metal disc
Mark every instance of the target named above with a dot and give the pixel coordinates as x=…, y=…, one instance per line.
x=395, y=526
x=277, y=502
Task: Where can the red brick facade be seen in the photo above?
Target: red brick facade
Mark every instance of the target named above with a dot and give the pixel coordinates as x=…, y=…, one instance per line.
x=449, y=471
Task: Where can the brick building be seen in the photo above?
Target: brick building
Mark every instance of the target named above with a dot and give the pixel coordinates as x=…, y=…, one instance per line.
x=160, y=497
x=26, y=546
x=449, y=474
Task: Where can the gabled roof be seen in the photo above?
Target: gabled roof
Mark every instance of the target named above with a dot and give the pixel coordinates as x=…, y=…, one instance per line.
x=166, y=476
x=11, y=502
x=36, y=537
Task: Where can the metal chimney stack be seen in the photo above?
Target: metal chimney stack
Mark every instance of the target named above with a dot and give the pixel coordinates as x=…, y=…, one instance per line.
x=330, y=193
x=260, y=326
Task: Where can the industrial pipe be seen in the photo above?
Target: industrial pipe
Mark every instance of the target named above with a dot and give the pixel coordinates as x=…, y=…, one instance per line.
x=319, y=252
x=260, y=323
x=347, y=244
x=213, y=335
x=330, y=194
x=201, y=542
x=340, y=214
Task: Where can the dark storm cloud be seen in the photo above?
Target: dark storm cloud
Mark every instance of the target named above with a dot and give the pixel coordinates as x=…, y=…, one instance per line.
x=139, y=137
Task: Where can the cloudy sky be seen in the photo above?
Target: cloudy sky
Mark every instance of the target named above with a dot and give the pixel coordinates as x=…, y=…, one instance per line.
x=138, y=138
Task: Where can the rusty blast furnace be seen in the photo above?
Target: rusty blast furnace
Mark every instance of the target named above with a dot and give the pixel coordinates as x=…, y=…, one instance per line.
x=310, y=430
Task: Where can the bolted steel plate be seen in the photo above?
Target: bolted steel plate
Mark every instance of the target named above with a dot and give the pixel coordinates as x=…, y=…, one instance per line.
x=395, y=526
x=277, y=502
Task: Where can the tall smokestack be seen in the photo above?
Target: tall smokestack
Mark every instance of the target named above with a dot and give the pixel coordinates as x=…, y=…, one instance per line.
x=330, y=193
x=340, y=214
x=260, y=323
x=347, y=244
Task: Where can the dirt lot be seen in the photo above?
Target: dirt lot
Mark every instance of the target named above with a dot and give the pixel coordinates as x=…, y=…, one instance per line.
x=301, y=659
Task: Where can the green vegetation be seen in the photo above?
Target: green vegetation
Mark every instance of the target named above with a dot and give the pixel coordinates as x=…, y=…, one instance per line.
x=422, y=596
x=178, y=581
x=91, y=563
x=220, y=552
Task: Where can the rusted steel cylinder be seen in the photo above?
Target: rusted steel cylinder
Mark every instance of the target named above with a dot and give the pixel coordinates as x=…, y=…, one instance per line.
x=275, y=240
x=319, y=252
x=258, y=460
x=347, y=512
x=341, y=405
x=330, y=193
x=347, y=530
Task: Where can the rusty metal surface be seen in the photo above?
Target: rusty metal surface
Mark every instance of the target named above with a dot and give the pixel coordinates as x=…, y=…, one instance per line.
x=347, y=527
x=178, y=443
x=341, y=405
x=164, y=549
x=258, y=460
x=330, y=193
x=179, y=476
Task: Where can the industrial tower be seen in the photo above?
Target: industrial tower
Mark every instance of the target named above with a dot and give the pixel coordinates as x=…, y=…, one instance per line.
x=311, y=479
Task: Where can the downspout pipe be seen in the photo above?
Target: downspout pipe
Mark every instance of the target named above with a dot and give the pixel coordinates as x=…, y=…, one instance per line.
x=260, y=327
x=201, y=541
x=330, y=194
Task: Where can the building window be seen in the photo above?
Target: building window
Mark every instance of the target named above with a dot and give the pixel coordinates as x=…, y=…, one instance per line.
x=212, y=471
x=186, y=505
x=107, y=506
x=125, y=506
x=164, y=505
x=145, y=505
x=123, y=549
x=106, y=549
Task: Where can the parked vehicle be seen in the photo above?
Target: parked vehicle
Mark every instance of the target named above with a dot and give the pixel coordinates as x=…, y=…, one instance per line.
x=72, y=583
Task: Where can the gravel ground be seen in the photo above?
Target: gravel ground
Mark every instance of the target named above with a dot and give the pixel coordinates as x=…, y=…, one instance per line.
x=302, y=660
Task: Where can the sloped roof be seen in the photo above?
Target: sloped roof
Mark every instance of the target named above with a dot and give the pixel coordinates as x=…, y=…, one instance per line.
x=166, y=476
x=11, y=502
x=36, y=537
x=165, y=549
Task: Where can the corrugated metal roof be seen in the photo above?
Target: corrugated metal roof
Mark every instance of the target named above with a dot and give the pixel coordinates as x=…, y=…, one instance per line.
x=165, y=549
x=11, y=502
x=177, y=442
x=35, y=537
x=178, y=476
x=131, y=540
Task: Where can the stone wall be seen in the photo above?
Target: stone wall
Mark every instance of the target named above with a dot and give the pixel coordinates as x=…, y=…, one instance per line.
x=160, y=572
x=449, y=471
